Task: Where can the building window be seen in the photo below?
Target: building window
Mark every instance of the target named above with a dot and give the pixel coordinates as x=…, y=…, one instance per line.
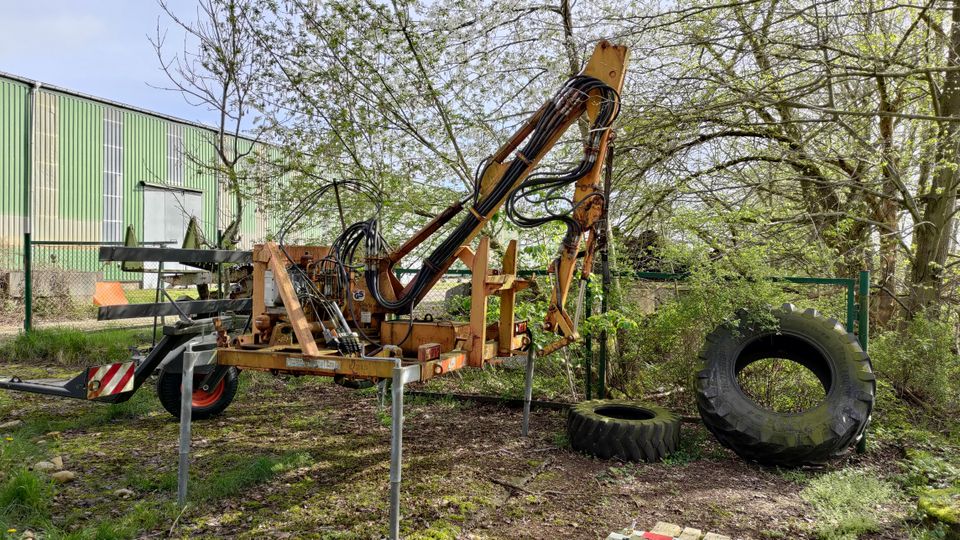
x=112, y=175
x=175, y=154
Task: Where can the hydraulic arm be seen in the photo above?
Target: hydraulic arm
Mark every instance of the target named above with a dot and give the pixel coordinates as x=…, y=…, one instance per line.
x=331, y=310
x=508, y=178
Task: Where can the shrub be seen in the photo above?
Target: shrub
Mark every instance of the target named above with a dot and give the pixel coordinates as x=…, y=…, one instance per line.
x=661, y=349
x=920, y=361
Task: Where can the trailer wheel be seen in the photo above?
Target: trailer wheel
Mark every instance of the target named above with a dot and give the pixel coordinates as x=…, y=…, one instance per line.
x=623, y=429
x=205, y=404
x=760, y=434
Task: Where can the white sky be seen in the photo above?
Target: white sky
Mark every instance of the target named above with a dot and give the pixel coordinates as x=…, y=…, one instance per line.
x=98, y=47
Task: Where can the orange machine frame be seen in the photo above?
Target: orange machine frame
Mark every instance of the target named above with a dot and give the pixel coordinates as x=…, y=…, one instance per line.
x=608, y=64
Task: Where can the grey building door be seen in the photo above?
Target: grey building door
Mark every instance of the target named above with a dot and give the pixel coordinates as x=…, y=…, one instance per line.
x=166, y=214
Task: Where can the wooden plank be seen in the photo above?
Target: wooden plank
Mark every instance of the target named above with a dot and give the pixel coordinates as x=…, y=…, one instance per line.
x=465, y=254
x=260, y=260
x=507, y=298
x=478, y=304
x=301, y=328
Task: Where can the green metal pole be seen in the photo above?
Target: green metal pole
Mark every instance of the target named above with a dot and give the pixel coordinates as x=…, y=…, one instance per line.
x=588, y=348
x=27, y=222
x=863, y=334
x=863, y=314
x=605, y=270
x=851, y=306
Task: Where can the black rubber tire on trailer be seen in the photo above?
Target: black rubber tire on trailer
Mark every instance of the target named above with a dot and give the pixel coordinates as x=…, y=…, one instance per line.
x=623, y=429
x=205, y=404
x=789, y=439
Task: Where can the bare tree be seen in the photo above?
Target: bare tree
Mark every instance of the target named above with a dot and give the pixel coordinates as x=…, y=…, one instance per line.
x=218, y=68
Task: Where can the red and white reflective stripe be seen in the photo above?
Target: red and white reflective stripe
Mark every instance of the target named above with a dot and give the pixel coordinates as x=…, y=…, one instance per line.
x=110, y=379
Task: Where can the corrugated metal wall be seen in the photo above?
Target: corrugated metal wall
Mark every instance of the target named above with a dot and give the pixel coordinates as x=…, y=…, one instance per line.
x=89, y=162
x=13, y=107
x=46, y=167
x=198, y=173
x=80, y=141
x=144, y=160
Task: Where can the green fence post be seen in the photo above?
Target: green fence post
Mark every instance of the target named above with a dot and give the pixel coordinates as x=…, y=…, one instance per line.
x=27, y=283
x=604, y=305
x=27, y=184
x=863, y=312
x=863, y=335
x=588, y=348
x=851, y=306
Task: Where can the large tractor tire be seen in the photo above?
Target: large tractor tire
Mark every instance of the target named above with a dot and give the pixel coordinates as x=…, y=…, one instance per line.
x=623, y=429
x=206, y=404
x=760, y=434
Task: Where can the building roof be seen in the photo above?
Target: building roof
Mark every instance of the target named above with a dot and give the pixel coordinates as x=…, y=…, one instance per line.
x=117, y=104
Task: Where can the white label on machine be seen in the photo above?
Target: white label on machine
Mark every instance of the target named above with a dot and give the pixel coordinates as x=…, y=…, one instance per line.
x=329, y=365
x=270, y=291
x=365, y=317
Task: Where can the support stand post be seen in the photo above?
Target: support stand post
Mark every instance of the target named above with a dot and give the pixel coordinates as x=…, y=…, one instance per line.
x=528, y=389
x=186, y=410
x=401, y=376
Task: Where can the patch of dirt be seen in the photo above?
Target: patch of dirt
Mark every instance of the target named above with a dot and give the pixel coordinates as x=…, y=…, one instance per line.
x=467, y=472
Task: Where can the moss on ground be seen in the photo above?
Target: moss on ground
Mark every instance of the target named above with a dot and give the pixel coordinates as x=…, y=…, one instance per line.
x=942, y=505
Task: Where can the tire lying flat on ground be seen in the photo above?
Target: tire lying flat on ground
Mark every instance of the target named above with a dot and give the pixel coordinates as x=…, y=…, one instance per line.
x=205, y=404
x=623, y=429
x=813, y=435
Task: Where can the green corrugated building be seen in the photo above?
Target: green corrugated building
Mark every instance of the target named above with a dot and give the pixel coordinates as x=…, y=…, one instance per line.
x=98, y=166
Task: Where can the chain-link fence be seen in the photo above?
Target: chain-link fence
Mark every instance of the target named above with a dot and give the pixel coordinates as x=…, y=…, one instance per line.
x=61, y=283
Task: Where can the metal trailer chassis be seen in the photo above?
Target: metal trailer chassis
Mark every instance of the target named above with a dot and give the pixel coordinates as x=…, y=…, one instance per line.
x=117, y=382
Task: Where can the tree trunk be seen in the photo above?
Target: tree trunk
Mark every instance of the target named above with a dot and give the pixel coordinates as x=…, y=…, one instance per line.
x=933, y=233
x=886, y=213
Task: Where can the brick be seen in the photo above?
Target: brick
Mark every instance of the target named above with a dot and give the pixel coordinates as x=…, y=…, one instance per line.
x=690, y=534
x=652, y=536
x=667, y=529
x=715, y=536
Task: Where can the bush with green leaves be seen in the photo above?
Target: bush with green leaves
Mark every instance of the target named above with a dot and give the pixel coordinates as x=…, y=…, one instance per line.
x=659, y=350
x=920, y=360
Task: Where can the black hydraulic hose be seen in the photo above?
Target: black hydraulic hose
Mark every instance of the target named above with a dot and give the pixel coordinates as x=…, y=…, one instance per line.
x=571, y=98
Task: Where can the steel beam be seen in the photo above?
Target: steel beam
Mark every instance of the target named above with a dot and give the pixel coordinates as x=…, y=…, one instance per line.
x=163, y=309
x=178, y=255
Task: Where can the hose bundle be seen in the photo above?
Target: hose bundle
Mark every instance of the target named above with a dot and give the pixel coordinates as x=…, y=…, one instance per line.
x=566, y=106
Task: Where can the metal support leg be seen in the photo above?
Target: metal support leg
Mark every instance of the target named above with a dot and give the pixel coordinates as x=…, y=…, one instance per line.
x=186, y=410
x=401, y=376
x=382, y=387
x=528, y=390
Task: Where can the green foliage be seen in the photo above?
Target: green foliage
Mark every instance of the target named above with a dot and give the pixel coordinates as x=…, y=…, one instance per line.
x=72, y=347
x=25, y=496
x=781, y=385
x=661, y=349
x=920, y=360
x=848, y=503
x=696, y=444
x=922, y=469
